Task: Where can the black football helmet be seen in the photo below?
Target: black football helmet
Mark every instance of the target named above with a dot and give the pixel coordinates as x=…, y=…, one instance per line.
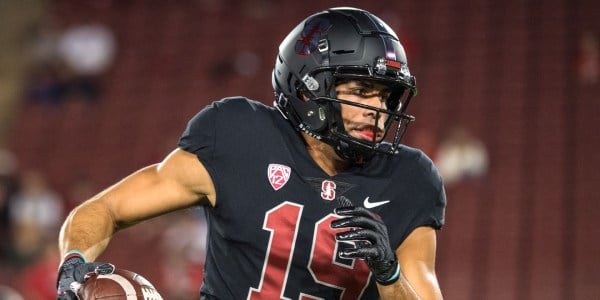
x=342, y=44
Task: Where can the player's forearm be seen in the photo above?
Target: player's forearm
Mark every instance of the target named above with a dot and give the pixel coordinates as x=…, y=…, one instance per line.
x=400, y=289
x=87, y=229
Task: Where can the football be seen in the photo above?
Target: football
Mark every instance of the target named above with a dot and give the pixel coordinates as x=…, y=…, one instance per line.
x=121, y=284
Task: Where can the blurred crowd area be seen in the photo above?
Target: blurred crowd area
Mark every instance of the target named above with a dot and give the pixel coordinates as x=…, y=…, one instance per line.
x=91, y=91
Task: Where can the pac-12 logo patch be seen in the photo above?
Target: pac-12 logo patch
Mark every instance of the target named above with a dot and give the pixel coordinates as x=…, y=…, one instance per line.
x=278, y=175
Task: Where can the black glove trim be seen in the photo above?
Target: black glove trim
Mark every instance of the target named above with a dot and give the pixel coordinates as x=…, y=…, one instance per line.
x=392, y=279
x=73, y=253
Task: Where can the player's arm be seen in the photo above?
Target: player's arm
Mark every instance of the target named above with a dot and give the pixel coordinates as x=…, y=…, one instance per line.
x=179, y=181
x=416, y=256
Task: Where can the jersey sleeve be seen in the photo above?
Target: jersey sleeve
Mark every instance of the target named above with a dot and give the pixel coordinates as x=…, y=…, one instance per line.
x=422, y=197
x=432, y=205
x=200, y=134
x=217, y=134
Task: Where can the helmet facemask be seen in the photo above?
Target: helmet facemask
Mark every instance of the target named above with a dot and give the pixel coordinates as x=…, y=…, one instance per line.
x=332, y=129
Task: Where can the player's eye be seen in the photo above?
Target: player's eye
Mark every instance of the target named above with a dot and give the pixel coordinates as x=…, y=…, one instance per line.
x=360, y=92
x=364, y=93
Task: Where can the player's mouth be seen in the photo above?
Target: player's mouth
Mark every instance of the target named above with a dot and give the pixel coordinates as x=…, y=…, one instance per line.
x=368, y=133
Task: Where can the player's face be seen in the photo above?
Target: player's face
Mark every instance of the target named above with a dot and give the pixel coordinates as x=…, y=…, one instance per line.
x=360, y=122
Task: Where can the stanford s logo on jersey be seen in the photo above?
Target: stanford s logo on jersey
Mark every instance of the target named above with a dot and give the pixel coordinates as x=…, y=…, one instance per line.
x=278, y=175
x=328, y=190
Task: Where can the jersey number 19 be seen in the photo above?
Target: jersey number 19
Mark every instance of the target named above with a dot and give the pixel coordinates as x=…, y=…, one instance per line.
x=282, y=222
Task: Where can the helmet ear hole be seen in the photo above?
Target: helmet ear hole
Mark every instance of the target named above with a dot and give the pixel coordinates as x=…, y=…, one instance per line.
x=393, y=101
x=313, y=115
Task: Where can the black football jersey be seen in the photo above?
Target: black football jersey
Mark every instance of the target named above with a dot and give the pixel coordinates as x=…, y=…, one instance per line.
x=269, y=231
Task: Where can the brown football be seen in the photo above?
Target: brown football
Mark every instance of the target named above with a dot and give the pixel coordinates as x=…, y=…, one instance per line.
x=121, y=284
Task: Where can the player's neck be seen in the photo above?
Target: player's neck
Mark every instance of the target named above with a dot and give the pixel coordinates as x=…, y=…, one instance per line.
x=325, y=157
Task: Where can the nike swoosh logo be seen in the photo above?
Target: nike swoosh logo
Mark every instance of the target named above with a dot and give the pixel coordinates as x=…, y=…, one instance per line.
x=368, y=204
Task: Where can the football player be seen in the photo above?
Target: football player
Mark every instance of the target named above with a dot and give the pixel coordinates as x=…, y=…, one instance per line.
x=311, y=198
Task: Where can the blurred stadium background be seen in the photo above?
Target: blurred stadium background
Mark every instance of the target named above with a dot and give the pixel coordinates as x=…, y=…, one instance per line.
x=520, y=78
